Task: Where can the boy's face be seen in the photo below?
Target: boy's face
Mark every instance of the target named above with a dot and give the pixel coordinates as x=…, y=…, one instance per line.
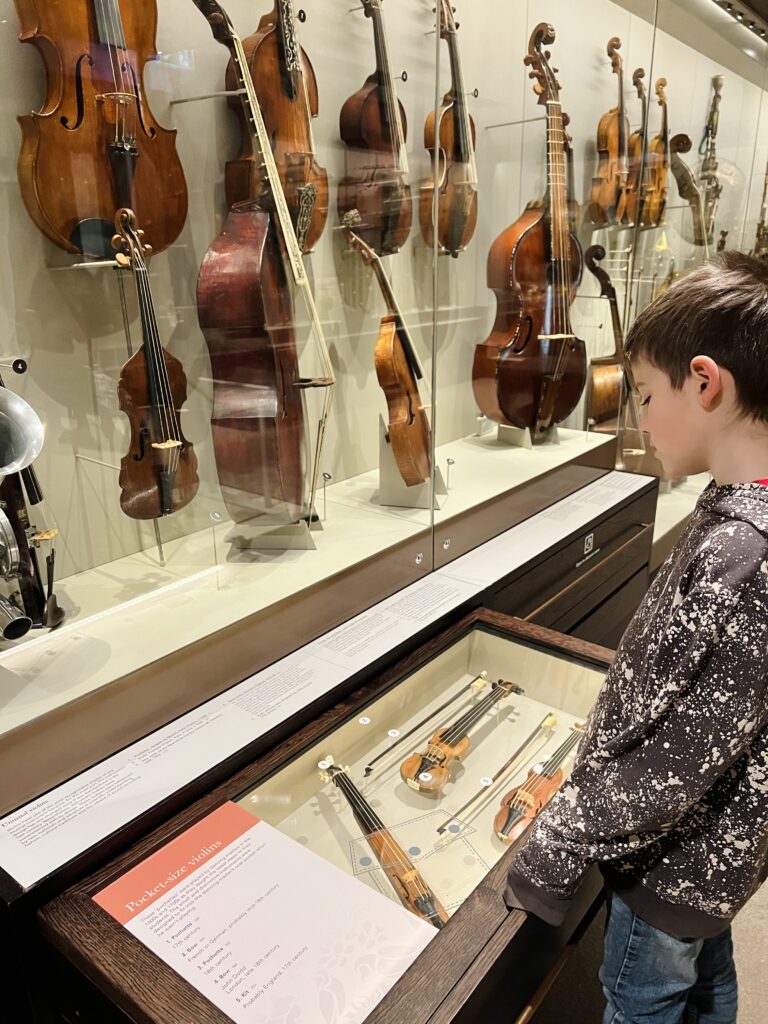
x=672, y=419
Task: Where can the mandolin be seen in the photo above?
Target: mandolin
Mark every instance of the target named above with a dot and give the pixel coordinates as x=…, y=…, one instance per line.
x=409, y=885
x=94, y=146
x=398, y=371
x=521, y=805
x=246, y=293
x=429, y=772
x=454, y=175
x=286, y=88
x=612, y=140
x=158, y=476
x=372, y=124
x=531, y=370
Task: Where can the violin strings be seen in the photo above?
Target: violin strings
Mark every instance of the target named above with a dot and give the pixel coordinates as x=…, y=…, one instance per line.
x=374, y=825
x=389, y=87
x=464, y=724
x=550, y=767
x=113, y=18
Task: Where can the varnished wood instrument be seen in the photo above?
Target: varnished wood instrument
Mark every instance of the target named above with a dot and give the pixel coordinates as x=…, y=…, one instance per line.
x=761, y=232
x=372, y=124
x=654, y=192
x=521, y=805
x=398, y=371
x=286, y=88
x=409, y=885
x=629, y=201
x=688, y=188
x=429, y=772
x=94, y=146
x=612, y=142
x=530, y=372
x=709, y=182
x=247, y=288
x=158, y=476
x=454, y=174
x=610, y=377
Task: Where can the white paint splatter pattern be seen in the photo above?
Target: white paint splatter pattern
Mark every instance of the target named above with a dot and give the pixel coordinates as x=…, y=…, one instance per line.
x=671, y=778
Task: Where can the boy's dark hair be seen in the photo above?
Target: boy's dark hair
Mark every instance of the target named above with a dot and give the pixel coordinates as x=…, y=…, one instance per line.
x=719, y=310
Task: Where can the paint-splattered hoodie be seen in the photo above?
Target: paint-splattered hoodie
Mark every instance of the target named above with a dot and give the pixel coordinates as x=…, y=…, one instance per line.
x=669, y=793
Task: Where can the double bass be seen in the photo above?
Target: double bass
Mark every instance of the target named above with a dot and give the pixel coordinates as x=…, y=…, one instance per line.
x=410, y=886
x=246, y=292
x=629, y=201
x=654, y=191
x=94, y=146
x=398, y=371
x=521, y=805
x=373, y=125
x=158, y=476
x=531, y=370
x=454, y=175
x=612, y=140
x=286, y=89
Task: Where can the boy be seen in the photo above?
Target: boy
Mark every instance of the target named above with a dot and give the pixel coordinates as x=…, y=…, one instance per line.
x=670, y=790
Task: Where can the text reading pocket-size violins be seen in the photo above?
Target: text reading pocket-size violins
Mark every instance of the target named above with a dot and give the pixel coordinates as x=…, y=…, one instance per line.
x=454, y=175
x=521, y=805
x=373, y=125
x=429, y=772
x=398, y=371
x=246, y=298
x=286, y=88
x=94, y=146
x=411, y=888
x=612, y=141
x=531, y=370
x=158, y=476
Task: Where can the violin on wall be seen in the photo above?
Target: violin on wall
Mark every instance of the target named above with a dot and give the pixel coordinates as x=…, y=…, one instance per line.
x=455, y=175
x=629, y=200
x=158, y=476
x=373, y=126
x=398, y=371
x=94, y=146
x=531, y=370
x=654, y=191
x=286, y=89
x=612, y=140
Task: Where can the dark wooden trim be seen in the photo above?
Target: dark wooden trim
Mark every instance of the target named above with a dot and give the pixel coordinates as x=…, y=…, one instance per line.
x=102, y=949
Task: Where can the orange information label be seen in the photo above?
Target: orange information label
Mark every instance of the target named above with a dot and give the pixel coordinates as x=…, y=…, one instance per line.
x=143, y=885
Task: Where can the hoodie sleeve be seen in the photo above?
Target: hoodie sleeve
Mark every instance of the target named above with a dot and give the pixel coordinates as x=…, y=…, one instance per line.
x=701, y=702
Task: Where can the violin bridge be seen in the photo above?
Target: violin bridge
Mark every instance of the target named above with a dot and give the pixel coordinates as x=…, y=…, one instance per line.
x=171, y=443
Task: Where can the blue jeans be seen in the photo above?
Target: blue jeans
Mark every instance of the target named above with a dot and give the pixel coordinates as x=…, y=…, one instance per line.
x=649, y=977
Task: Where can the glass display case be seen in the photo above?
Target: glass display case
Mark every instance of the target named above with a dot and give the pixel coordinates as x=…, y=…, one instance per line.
x=354, y=322
x=416, y=787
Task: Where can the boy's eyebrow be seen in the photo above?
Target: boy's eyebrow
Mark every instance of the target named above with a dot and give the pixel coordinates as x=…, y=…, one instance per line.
x=639, y=383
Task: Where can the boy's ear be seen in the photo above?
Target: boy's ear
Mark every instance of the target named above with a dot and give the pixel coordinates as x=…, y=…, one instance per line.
x=708, y=380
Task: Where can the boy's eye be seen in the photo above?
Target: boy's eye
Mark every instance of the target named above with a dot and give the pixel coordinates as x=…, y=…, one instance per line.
x=645, y=401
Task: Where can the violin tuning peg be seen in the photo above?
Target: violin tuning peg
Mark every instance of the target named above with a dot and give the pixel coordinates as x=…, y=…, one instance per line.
x=547, y=54
x=122, y=260
x=147, y=250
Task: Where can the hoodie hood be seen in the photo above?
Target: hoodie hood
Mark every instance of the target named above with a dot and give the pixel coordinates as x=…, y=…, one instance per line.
x=746, y=503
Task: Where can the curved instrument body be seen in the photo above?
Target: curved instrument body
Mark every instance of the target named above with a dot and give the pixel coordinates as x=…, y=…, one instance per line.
x=513, y=367
x=95, y=146
x=687, y=187
x=612, y=140
x=286, y=87
x=454, y=174
x=372, y=123
x=711, y=186
x=628, y=206
x=531, y=370
x=408, y=426
x=246, y=315
x=654, y=192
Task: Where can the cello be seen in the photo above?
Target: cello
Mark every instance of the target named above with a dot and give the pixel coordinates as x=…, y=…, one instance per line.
x=245, y=298
x=372, y=124
x=455, y=175
x=398, y=371
x=286, y=88
x=654, y=192
x=158, y=476
x=411, y=888
x=531, y=370
x=629, y=200
x=521, y=805
x=612, y=136
x=94, y=146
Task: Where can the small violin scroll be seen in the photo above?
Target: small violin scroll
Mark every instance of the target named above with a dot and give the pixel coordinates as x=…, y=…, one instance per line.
x=218, y=19
x=614, y=45
x=637, y=80
x=128, y=240
x=546, y=86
